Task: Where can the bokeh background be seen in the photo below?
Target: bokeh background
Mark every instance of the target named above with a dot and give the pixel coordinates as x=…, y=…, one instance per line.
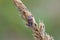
x=12, y=26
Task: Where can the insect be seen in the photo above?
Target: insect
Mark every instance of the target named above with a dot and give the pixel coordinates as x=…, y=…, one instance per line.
x=30, y=21
x=29, y=18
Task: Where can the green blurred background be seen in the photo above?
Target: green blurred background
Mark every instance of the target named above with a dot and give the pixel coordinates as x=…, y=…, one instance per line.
x=12, y=26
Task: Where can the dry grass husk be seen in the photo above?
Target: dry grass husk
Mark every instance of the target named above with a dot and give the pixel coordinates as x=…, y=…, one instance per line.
x=38, y=30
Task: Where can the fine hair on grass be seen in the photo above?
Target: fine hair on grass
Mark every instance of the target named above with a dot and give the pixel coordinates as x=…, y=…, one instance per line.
x=38, y=30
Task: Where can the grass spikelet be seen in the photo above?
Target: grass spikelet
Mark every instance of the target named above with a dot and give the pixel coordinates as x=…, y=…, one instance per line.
x=38, y=30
